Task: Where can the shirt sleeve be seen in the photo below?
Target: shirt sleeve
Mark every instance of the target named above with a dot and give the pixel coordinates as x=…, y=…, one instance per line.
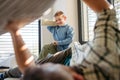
x=69, y=37
x=101, y=56
x=51, y=29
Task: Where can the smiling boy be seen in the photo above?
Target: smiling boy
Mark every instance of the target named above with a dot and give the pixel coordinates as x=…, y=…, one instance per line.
x=62, y=34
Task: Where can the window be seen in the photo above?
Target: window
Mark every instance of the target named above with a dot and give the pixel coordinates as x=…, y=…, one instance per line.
x=30, y=36
x=86, y=22
x=91, y=22
x=88, y=18
x=117, y=7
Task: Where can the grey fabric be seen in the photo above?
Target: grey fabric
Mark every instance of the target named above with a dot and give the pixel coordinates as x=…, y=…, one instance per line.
x=14, y=72
x=59, y=57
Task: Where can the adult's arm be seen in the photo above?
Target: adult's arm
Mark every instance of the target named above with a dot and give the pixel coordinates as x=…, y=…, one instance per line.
x=98, y=5
x=23, y=56
x=98, y=60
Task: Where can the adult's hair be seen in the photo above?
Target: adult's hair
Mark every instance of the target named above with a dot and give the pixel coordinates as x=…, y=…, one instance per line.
x=49, y=72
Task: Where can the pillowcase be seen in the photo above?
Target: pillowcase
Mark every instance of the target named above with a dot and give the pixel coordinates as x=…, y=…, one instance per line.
x=59, y=57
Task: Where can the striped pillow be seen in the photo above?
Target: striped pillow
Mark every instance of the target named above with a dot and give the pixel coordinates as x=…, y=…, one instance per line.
x=59, y=57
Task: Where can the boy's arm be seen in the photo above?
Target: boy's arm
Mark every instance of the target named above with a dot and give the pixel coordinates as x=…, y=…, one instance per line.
x=49, y=23
x=23, y=57
x=69, y=37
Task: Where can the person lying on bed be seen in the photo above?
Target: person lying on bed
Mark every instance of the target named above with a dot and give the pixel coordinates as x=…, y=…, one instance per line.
x=100, y=63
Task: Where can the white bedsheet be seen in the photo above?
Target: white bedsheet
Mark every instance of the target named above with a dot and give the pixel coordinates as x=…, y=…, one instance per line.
x=8, y=61
x=78, y=53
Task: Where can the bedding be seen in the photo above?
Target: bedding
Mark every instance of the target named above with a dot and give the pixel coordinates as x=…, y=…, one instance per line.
x=78, y=53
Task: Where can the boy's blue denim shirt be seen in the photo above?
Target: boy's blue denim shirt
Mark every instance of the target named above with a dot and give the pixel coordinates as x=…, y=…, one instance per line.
x=63, y=35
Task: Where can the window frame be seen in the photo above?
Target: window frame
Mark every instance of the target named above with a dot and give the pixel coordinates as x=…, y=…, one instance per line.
x=80, y=23
x=83, y=28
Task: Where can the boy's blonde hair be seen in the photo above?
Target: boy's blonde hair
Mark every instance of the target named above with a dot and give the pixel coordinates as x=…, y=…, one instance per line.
x=58, y=13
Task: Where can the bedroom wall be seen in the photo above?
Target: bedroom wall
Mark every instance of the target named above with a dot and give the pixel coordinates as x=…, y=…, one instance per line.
x=69, y=7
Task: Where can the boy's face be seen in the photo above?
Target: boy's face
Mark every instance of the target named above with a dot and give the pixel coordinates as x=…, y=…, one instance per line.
x=60, y=20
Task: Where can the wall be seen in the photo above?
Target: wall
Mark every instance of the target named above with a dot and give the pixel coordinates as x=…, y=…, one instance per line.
x=69, y=7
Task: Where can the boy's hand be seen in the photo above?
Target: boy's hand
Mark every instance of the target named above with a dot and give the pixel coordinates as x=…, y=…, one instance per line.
x=55, y=43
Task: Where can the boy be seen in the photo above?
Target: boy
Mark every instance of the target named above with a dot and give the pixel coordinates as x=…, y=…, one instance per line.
x=62, y=34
